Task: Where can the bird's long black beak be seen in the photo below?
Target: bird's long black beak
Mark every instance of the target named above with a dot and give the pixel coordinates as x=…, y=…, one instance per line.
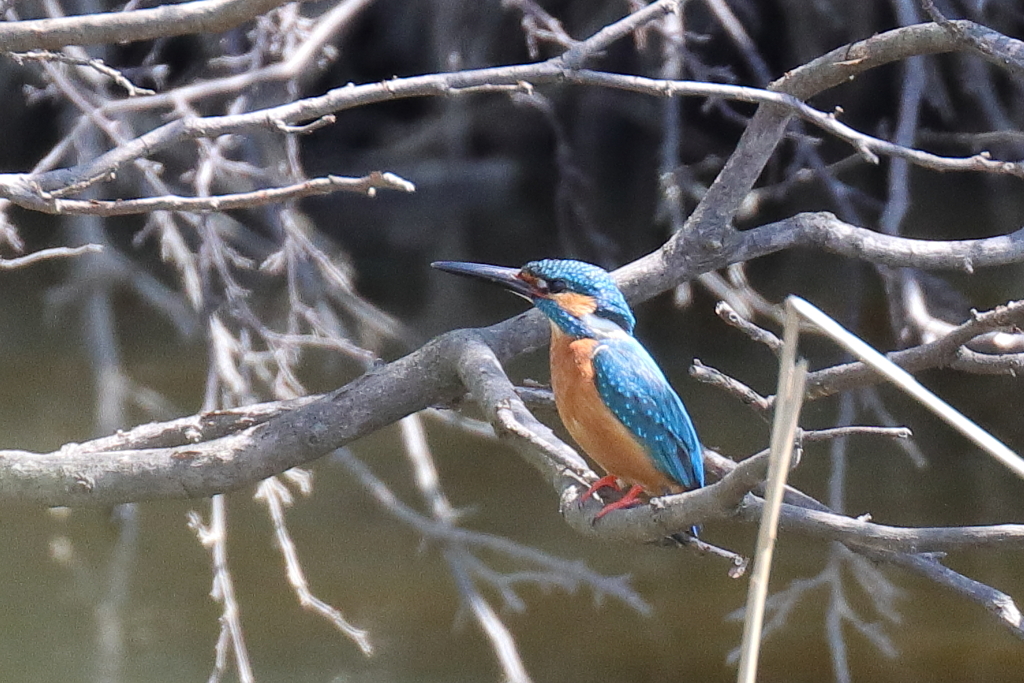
x=499, y=275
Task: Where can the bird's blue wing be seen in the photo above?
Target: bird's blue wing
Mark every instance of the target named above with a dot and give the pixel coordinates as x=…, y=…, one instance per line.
x=635, y=389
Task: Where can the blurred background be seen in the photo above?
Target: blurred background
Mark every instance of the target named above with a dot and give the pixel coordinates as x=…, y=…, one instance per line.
x=92, y=345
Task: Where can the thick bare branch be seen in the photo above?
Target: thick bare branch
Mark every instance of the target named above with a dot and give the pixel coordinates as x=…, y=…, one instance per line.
x=859, y=533
x=826, y=232
x=200, y=16
x=132, y=467
x=118, y=471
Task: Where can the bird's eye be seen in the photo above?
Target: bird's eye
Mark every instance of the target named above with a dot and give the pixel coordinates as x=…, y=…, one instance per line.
x=556, y=286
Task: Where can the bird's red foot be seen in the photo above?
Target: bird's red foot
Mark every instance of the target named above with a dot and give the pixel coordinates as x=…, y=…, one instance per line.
x=631, y=498
x=606, y=482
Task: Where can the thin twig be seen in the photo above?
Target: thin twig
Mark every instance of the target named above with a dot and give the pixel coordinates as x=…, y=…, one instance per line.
x=709, y=375
x=276, y=496
x=95, y=64
x=758, y=334
x=368, y=185
x=232, y=639
x=52, y=253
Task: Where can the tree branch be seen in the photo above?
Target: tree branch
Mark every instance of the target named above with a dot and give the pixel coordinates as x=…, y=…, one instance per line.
x=709, y=228
x=826, y=232
x=368, y=185
x=148, y=463
x=200, y=16
x=48, y=255
x=780, y=103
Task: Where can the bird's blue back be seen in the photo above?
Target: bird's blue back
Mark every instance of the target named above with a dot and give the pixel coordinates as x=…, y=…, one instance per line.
x=636, y=391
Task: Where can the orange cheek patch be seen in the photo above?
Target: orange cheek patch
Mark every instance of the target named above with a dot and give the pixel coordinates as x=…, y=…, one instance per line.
x=575, y=304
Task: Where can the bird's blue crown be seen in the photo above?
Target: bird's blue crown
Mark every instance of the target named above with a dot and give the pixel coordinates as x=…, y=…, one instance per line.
x=576, y=277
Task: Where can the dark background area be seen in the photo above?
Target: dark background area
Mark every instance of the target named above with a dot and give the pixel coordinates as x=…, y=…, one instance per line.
x=504, y=180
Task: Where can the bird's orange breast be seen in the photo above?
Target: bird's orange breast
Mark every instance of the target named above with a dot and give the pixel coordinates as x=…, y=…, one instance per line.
x=592, y=424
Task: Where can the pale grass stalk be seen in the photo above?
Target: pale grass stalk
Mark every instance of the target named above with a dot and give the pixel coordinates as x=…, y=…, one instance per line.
x=905, y=381
x=787, y=411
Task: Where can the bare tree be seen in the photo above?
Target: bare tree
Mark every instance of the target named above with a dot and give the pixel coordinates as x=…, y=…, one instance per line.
x=207, y=166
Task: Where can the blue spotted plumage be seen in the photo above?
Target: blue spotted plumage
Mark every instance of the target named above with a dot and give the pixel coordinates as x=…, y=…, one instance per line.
x=611, y=395
x=636, y=391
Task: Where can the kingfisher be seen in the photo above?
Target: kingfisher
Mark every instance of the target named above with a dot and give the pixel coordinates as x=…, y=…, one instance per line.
x=611, y=395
